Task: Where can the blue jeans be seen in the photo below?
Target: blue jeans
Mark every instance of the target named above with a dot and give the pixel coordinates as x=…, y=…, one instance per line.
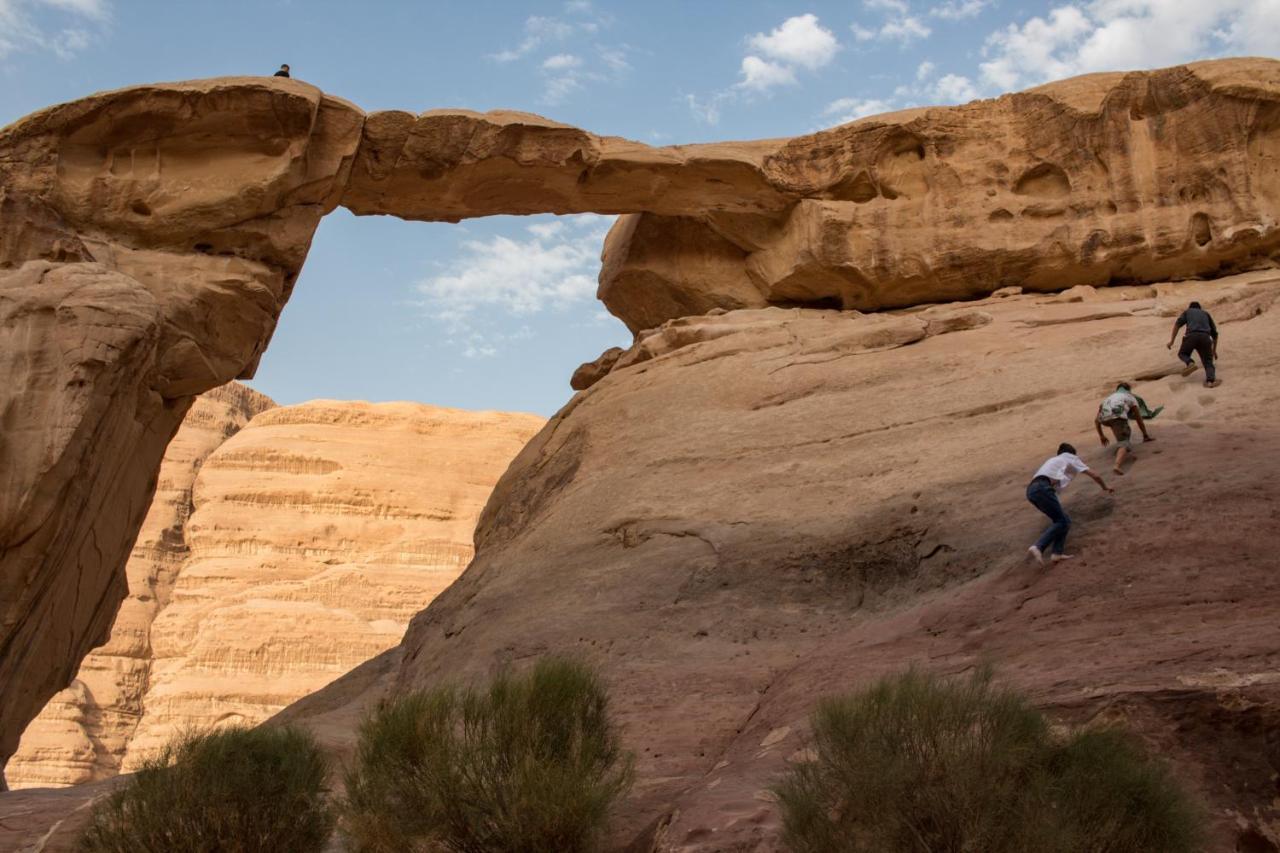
x=1045, y=499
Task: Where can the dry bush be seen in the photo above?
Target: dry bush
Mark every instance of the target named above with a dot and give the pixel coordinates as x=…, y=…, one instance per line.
x=921, y=764
x=234, y=790
x=531, y=763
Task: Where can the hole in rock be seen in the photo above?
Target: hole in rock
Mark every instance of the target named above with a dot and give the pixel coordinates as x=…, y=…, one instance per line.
x=859, y=189
x=141, y=208
x=1045, y=180
x=1201, y=229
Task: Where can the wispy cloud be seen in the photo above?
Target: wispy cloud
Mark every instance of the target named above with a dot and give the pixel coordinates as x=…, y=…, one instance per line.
x=552, y=266
x=957, y=10
x=897, y=23
x=845, y=110
x=61, y=27
x=580, y=58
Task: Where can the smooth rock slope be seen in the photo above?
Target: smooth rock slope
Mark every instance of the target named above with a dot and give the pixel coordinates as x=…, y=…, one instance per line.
x=782, y=504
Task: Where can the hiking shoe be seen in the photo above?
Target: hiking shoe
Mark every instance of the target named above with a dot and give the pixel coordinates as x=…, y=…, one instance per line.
x=1214, y=384
x=1058, y=558
x=1189, y=369
x=1036, y=555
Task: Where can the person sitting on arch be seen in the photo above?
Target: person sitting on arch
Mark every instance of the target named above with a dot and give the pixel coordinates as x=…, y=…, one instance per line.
x=283, y=72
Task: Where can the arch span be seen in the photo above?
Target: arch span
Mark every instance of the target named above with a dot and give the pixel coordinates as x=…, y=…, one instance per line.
x=151, y=236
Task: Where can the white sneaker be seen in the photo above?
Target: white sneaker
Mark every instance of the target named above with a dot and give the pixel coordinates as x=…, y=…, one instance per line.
x=1036, y=555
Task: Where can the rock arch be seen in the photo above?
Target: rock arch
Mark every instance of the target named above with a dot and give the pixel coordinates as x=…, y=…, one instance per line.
x=151, y=237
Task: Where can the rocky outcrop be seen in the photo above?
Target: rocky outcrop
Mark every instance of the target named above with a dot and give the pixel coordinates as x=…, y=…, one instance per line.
x=153, y=234
x=302, y=549
x=745, y=522
x=1104, y=179
x=318, y=532
x=84, y=731
x=786, y=504
x=160, y=230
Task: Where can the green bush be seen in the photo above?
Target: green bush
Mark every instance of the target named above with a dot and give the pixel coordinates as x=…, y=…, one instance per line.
x=234, y=790
x=921, y=764
x=532, y=763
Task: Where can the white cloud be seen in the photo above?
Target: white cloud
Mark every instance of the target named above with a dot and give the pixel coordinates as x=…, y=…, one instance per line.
x=797, y=41
x=905, y=29
x=761, y=75
x=956, y=10
x=538, y=30
x=954, y=89
x=845, y=110
x=81, y=22
x=925, y=70
x=1118, y=35
x=563, y=72
x=551, y=268
x=707, y=110
x=561, y=61
x=895, y=7
x=898, y=25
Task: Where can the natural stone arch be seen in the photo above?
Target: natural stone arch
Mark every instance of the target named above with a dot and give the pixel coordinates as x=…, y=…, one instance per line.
x=152, y=236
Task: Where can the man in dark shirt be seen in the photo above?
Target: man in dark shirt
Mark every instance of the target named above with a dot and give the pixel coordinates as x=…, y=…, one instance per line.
x=283, y=72
x=1201, y=337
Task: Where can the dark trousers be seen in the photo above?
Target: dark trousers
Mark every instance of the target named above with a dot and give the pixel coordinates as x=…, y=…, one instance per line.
x=1202, y=343
x=1044, y=498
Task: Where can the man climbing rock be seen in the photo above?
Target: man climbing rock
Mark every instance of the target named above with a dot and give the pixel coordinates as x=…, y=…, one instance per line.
x=283, y=72
x=1201, y=337
x=1114, y=413
x=1055, y=475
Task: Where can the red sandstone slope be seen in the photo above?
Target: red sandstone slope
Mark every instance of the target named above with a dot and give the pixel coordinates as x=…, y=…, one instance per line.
x=777, y=505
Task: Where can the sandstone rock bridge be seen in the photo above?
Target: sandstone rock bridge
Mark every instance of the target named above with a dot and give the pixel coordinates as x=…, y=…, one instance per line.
x=150, y=237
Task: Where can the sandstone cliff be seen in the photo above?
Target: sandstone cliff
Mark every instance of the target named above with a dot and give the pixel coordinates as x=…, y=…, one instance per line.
x=302, y=549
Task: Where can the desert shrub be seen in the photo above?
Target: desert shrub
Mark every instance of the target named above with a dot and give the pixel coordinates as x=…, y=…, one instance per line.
x=530, y=763
x=234, y=790
x=927, y=765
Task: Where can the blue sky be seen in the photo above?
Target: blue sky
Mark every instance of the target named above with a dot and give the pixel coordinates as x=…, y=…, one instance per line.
x=496, y=313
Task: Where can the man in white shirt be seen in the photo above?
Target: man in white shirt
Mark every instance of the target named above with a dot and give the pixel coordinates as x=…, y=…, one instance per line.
x=1055, y=475
x=1115, y=412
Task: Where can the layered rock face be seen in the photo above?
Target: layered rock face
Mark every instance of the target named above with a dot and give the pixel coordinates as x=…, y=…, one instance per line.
x=157, y=232
x=303, y=548
x=318, y=532
x=84, y=731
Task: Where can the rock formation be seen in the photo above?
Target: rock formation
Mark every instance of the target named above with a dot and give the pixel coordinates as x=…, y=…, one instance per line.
x=82, y=734
x=774, y=505
x=164, y=226
x=308, y=541
x=155, y=235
